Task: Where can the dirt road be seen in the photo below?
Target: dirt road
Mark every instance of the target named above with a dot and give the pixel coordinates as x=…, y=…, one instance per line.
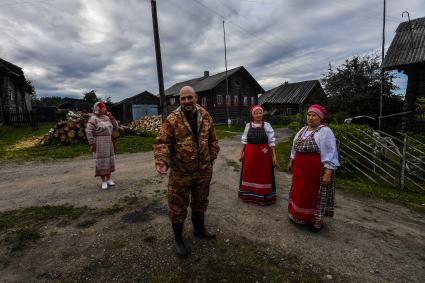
x=367, y=240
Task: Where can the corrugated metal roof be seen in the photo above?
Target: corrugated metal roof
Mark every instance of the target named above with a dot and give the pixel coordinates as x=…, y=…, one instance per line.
x=408, y=45
x=289, y=93
x=202, y=83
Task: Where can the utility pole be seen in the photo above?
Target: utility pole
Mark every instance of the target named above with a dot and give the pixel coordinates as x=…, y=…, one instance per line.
x=162, y=101
x=381, y=98
x=227, y=84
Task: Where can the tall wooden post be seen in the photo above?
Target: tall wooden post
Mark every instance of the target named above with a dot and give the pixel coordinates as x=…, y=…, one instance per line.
x=163, y=102
x=381, y=98
x=227, y=83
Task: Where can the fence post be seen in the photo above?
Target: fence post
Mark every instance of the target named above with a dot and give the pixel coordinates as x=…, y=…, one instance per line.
x=403, y=161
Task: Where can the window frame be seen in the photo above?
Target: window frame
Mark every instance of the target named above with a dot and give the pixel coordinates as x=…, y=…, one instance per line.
x=219, y=99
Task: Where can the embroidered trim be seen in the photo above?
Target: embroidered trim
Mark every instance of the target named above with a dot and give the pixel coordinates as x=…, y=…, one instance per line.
x=259, y=186
x=302, y=210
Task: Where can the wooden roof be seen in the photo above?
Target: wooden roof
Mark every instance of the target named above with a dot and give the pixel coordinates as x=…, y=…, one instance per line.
x=408, y=45
x=144, y=93
x=206, y=82
x=289, y=92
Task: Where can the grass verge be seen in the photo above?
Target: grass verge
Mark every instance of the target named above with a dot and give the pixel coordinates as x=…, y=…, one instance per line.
x=22, y=143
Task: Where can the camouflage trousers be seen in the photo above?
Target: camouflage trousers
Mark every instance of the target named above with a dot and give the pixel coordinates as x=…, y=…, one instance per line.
x=184, y=188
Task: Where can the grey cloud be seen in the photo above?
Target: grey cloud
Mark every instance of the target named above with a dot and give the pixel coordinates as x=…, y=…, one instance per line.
x=70, y=47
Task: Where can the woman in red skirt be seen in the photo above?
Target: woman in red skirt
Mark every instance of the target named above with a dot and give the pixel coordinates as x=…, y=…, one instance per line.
x=258, y=157
x=314, y=159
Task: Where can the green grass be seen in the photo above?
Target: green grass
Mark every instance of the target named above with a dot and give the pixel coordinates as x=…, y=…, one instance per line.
x=414, y=200
x=20, y=143
x=283, y=150
x=360, y=187
x=223, y=131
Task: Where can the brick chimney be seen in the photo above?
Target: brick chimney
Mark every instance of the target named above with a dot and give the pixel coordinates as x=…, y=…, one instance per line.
x=206, y=73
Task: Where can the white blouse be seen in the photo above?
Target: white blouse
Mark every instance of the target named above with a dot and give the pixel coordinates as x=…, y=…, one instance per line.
x=267, y=127
x=326, y=141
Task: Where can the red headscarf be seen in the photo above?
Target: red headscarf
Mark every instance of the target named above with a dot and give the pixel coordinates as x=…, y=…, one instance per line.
x=255, y=108
x=319, y=110
x=98, y=106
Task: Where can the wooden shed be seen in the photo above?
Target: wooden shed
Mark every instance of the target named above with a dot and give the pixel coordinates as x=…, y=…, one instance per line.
x=292, y=98
x=75, y=104
x=407, y=54
x=136, y=107
x=14, y=95
x=211, y=91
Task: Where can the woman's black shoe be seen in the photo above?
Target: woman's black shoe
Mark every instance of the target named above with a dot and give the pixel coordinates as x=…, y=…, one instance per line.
x=314, y=229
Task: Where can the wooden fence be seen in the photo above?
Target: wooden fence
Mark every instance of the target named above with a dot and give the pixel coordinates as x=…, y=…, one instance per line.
x=30, y=118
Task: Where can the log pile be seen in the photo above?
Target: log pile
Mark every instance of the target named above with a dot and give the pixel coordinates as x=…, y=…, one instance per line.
x=70, y=131
x=146, y=126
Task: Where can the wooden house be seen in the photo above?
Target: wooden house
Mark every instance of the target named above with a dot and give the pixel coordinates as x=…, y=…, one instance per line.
x=407, y=54
x=243, y=92
x=14, y=90
x=75, y=104
x=292, y=98
x=136, y=107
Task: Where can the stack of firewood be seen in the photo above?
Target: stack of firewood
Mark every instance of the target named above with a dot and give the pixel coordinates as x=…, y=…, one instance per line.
x=147, y=124
x=70, y=131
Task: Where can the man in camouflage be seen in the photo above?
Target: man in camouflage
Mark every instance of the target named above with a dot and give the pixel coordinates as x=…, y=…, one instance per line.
x=187, y=144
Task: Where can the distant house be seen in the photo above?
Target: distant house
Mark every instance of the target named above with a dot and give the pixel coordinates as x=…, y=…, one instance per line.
x=242, y=87
x=407, y=53
x=136, y=107
x=14, y=95
x=75, y=104
x=292, y=98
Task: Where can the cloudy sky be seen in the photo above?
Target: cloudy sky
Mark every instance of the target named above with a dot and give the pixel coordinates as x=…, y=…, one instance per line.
x=68, y=47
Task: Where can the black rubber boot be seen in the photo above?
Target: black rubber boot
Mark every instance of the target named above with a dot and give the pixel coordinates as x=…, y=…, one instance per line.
x=198, y=220
x=314, y=229
x=181, y=249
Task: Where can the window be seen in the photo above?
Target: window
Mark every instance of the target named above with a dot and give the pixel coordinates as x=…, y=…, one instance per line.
x=245, y=100
x=228, y=99
x=172, y=100
x=219, y=99
x=252, y=100
x=235, y=100
x=11, y=96
x=204, y=101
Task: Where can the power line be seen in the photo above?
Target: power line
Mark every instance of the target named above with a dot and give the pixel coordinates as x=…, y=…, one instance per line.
x=250, y=33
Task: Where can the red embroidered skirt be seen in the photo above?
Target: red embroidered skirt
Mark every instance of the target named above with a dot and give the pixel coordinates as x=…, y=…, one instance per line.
x=257, y=177
x=303, y=197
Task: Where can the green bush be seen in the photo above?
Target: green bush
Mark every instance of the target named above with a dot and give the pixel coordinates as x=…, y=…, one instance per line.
x=337, y=118
x=294, y=125
x=286, y=120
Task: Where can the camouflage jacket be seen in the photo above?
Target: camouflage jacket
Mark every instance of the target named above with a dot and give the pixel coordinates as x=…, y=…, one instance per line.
x=175, y=144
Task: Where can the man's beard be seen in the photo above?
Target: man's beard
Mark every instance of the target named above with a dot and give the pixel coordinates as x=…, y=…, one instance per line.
x=189, y=108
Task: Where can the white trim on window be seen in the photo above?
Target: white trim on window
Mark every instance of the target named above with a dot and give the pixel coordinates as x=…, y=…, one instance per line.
x=228, y=99
x=172, y=100
x=235, y=100
x=204, y=101
x=245, y=100
x=219, y=99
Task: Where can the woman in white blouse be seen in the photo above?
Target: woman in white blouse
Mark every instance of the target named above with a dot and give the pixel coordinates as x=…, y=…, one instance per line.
x=257, y=183
x=314, y=159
